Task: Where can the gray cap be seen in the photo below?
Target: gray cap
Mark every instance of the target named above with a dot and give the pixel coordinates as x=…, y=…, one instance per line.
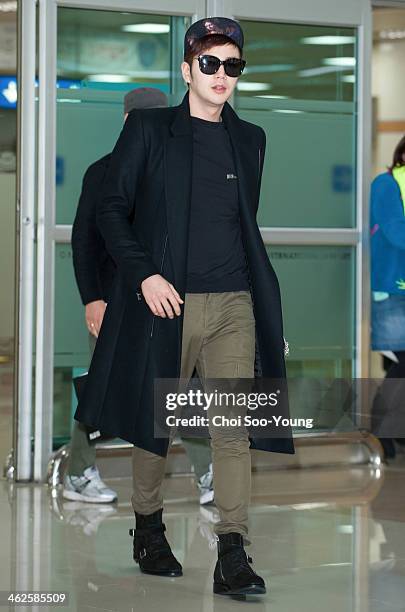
x=144, y=97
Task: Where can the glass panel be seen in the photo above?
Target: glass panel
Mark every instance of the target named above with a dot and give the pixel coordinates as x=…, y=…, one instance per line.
x=317, y=286
x=8, y=139
x=318, y=293
x=299, y=85
x=80, y=141
x=101, y=56
x=71, y=344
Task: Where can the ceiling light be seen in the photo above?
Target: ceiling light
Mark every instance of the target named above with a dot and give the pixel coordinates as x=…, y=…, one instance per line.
x=108, y=78
x=126, y=78
x=251, y=86
x=147, y=28
x=8, y=7
x=346, y=529
x=288, y=111
x=268, y=68
x=392, y=34
x=270, y=96
x=309, y=72
x=328, y=40
x=340, y=61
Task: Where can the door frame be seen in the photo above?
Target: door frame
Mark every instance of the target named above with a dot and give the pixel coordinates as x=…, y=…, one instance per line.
x=47, y=231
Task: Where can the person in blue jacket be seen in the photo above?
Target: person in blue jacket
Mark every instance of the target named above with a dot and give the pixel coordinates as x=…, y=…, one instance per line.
x=387, y=227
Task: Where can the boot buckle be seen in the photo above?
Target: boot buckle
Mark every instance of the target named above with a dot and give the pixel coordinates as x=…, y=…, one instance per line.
x=142, y=553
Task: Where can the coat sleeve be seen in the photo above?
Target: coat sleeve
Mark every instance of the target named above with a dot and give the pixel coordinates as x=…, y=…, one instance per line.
x=118, y=201
x=388, y=211
x=87, y=244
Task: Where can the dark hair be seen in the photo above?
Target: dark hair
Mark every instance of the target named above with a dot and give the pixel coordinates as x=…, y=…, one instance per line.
x=205, y=43
x=398, y=159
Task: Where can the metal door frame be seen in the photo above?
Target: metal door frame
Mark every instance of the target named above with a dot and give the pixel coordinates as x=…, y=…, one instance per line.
x=25, y=251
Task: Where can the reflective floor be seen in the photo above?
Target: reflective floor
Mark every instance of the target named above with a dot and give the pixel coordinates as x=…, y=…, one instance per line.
x=329, y=540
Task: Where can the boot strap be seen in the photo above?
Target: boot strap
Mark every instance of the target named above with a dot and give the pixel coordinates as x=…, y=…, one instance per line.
x=228, y=550
x=147, y=530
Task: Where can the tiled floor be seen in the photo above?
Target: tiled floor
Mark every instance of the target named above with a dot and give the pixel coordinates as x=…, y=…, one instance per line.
x=338, y=548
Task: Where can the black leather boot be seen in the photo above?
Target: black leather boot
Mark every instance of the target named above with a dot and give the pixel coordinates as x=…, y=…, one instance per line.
x=233, y=574
x=151, y=549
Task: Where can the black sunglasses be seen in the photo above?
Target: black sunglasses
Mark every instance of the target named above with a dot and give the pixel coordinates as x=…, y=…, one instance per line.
x=209, y=64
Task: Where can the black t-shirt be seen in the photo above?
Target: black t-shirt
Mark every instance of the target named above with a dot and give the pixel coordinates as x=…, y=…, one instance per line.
x=216, y=258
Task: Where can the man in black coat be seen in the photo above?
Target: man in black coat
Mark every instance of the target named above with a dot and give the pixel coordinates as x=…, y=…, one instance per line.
x=195, y=287
x=95, y=271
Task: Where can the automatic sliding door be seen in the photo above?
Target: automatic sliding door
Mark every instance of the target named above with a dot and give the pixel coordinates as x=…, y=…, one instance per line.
x=300, y=86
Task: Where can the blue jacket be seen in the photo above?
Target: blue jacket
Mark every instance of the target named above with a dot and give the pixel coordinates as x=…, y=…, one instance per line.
x=387, y=227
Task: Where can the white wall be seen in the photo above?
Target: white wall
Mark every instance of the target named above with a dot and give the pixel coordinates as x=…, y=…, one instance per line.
x=388, y=87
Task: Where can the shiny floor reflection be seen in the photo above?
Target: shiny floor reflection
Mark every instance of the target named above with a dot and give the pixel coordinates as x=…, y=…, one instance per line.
x=331, y=540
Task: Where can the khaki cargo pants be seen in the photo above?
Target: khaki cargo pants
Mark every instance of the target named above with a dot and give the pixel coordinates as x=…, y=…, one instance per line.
x=219, y=340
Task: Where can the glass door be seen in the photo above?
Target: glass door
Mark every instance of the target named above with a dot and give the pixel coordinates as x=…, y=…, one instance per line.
x=306, y=84
x=95, y=54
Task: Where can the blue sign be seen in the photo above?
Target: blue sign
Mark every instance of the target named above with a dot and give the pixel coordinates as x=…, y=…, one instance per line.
x=8, y=92
x=60, y=170
x=342, y=178
x=8, y=89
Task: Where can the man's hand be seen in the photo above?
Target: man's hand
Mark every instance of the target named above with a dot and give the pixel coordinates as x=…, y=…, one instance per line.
x=94, y=316
x=161, y=296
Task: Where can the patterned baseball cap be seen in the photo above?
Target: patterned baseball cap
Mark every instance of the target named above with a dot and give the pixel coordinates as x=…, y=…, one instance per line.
x=213, y=25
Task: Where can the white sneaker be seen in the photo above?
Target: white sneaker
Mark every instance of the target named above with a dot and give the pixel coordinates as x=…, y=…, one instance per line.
x=205, y=484
x=88, y=488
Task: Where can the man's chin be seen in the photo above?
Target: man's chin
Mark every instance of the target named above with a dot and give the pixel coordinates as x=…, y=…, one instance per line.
x=218, y=99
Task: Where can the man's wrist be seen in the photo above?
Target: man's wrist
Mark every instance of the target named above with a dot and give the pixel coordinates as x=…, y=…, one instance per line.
x=93, y=299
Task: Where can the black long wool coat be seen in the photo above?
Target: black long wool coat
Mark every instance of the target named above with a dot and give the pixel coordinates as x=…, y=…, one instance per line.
x=143, y=215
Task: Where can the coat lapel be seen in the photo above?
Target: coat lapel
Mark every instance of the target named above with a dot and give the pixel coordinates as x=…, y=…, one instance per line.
x=246, y=158
x=178, y=173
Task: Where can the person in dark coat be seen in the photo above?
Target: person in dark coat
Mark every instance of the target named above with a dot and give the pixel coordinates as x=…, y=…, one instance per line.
x=194, y=287
x=94, y=271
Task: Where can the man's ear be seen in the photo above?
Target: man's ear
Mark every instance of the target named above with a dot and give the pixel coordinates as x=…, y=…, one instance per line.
x=186, y=72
